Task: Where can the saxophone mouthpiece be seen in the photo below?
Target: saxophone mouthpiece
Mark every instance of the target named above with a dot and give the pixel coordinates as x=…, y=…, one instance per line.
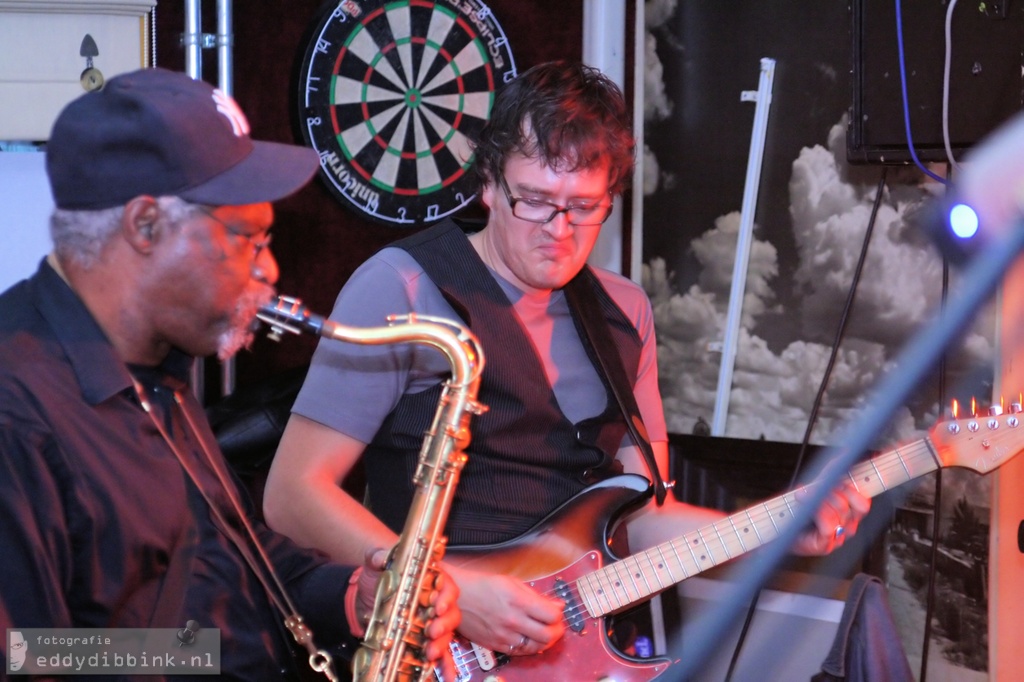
x=287, y=314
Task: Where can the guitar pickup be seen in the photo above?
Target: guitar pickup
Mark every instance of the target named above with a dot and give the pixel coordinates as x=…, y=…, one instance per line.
x=485, y=658
x=572, y=611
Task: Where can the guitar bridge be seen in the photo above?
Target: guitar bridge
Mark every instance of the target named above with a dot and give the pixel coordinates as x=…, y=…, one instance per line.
x=462, y=658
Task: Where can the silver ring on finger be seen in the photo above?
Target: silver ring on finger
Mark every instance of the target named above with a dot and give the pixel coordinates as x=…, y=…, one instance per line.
x=522, y=642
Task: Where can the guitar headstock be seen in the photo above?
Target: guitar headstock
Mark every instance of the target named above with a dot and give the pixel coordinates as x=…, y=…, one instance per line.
x=980, y=442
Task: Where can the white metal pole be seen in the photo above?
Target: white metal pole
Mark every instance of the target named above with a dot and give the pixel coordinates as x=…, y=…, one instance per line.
x=604, y=41
x=639, y=93
x=193, y=43
x=225, y=48
x=763, y=98
x=226, y=82
x=193, y=38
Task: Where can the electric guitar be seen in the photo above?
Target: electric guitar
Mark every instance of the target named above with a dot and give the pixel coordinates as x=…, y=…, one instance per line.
x=565, y=555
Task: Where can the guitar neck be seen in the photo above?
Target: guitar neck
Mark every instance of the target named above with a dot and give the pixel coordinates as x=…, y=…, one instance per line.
x=637, y=577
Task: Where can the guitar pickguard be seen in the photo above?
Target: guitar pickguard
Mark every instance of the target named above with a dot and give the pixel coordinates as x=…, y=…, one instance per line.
x=584, y=653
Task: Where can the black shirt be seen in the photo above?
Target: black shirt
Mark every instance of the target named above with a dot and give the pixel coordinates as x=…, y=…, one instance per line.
x=96, y=510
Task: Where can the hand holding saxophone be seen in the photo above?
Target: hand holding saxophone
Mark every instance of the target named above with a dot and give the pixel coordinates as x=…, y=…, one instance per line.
x=445, y=613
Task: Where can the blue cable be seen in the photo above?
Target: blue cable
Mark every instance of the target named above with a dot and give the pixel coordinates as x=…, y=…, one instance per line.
x=906, y=105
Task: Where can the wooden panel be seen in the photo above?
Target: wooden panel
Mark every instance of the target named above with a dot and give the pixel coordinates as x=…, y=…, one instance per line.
x=1006, y=562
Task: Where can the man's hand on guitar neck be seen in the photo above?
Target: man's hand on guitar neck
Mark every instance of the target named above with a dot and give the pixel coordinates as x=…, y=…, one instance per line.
x=500, y=613
x=836, y=520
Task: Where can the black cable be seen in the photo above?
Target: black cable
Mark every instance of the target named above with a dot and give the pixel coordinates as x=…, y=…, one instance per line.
x=932, y=566
x=820, y=397
x=933, y=560
x=841, y=331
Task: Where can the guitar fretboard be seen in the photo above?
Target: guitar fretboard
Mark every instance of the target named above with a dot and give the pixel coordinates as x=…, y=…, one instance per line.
x=641, y=575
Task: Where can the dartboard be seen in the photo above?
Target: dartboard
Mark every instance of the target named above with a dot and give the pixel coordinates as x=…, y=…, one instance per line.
x=391, y=93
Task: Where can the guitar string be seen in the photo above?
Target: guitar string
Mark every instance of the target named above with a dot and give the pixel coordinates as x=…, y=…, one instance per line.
x=723, y=529
x=758, y=514
x=884, y=466
x=876, y=474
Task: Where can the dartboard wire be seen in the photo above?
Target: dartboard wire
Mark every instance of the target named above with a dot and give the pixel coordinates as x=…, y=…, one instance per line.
x=365, y=47
x=372, y=126
x=454, y=140
x=399, y=23
x=427, y=172
x=365, y=130
x=457, y=109
x=473, y=55
x=449, y=137
x=386, y=172
x=441, y=23
x=406, y=93
x=379, y=17
x=373, y=123
x=355, y=137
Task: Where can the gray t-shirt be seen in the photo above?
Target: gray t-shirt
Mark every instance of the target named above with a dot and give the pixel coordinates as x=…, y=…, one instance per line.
x=353, y=387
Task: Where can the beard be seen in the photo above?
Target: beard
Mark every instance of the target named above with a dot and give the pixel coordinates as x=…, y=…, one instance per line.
x=240, y=331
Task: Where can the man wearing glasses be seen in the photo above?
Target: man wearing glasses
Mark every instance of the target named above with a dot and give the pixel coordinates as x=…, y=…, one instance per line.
x=557, y=150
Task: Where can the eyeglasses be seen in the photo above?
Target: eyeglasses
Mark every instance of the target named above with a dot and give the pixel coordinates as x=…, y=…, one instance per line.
x=536, y=211
x=258, y=245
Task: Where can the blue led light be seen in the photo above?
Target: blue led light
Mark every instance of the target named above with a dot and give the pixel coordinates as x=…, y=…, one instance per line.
x=963, y=221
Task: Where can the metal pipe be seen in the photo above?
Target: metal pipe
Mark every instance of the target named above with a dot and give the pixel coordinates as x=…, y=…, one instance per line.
x=636, y=235
x=226, y=82
x=194, y=41
x=225, y=47
x=763, y=97
x=193, y=38
x=604, y=45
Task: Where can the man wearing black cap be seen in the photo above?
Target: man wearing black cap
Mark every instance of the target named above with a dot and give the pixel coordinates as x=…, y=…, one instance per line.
x=116, y=507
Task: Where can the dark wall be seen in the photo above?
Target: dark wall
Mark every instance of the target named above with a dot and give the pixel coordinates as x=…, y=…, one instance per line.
x=317, y=241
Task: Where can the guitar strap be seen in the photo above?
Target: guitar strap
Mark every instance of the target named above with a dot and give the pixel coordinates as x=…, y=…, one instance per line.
x=580, y=294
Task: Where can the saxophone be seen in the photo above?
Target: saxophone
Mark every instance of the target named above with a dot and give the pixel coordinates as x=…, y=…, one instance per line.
x=393, y=646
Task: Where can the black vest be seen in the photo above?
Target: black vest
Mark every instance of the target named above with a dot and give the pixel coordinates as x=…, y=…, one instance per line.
x=525, y=457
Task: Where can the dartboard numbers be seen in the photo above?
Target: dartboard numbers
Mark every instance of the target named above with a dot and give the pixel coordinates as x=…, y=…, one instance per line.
x=391, y=93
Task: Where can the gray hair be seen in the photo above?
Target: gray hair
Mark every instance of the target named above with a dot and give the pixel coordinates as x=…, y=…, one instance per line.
x=80, y=236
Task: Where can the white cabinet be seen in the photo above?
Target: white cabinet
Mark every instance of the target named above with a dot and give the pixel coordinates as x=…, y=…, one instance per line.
x=40, y=55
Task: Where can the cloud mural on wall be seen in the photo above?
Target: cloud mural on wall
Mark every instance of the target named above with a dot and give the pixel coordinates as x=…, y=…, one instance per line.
x=773, y=391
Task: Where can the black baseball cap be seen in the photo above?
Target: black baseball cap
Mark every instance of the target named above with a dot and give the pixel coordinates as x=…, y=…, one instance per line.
x=161, y=133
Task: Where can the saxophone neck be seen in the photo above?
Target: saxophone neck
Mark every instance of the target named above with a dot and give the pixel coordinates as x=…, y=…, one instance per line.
x=459, y=345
